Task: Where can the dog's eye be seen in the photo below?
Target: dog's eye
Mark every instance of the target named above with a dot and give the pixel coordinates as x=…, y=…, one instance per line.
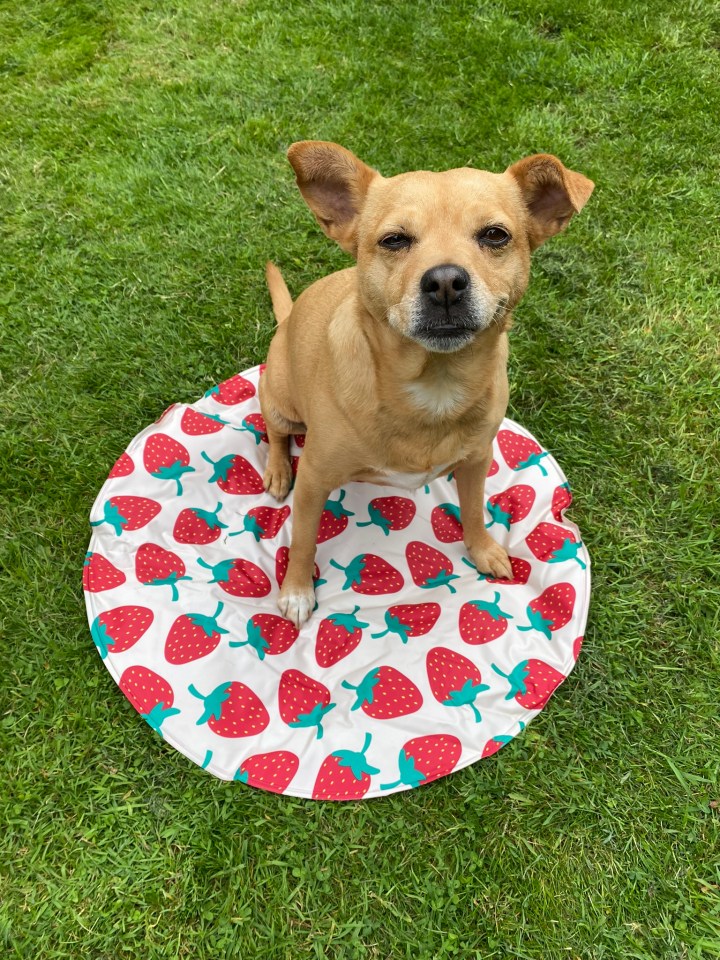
x=493, y=237
x=395, y=241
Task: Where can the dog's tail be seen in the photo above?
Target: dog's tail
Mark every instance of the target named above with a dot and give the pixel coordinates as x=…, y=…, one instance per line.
x=279, y=293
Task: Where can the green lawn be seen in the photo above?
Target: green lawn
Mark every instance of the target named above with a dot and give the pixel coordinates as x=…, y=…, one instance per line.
x=143, y=184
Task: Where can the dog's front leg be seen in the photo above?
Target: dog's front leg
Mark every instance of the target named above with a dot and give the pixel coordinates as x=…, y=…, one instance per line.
x=297, y=595
x=487, y=555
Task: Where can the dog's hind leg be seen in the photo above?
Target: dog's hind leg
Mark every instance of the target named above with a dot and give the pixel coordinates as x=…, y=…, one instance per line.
x=278, y=473
x=281, y=419
x=277, y=478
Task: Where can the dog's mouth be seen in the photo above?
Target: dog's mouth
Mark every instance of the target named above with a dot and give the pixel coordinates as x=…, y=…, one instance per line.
x=445, y=337
x=455, y=328
x=448, y=330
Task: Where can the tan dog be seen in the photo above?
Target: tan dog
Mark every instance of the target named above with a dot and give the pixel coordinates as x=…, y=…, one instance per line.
x=396, y=369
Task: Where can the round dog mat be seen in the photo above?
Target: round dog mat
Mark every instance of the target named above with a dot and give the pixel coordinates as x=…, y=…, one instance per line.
x=412, y=665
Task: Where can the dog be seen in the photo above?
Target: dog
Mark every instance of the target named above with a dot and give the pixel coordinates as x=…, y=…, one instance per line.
x=396, y=369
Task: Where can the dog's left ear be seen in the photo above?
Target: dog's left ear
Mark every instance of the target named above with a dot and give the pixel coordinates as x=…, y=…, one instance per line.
x=334, y=184
x=552, y=194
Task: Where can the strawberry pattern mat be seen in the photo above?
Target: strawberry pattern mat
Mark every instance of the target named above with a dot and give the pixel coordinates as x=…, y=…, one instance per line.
x=412, y=665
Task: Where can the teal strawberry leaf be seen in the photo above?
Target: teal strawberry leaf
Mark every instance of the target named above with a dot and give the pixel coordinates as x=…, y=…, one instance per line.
x=313, y=718
x=213, y=702
x=410, y=776
x=364, y=690
x=465, y=697
x=356, y=760
x=157, y=716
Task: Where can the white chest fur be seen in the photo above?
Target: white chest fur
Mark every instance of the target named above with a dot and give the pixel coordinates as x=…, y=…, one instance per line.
x=410, y=481
x=439, y=396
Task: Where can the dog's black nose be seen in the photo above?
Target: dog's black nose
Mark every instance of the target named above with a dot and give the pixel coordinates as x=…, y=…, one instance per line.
x=445, y=285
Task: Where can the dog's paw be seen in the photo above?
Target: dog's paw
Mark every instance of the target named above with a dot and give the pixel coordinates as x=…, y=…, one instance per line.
x=491, y=559
x=277, y=479
x=296, y=605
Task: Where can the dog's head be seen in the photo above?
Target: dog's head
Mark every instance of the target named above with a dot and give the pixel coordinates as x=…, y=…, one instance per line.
x=441, y=256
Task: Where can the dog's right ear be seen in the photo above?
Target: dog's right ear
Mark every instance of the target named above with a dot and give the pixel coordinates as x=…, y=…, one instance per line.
x=552, y=194
x=334, y=184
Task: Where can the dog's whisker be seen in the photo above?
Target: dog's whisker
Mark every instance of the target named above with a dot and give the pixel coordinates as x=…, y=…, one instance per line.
x=500, y=311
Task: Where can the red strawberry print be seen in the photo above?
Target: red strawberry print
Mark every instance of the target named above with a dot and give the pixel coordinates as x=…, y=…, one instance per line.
x=254, y=424
x=282, y=558
x=384, y=693
x=520, y=567
x=410, y=620
x=192, y=636
x=263, y=523
x=194, y=525
x=454, y=680
x=370, y=575
x=551, y=610
x=481, y=621
x=196, y=424
x=123, y=467
x=302, y=701
x=116, y=630
x=520, y=452
x=429, y=567
x=294, y=463
x=511, y=505
x=532, y=682
x=238, y=577
x=232, y=391
x=337, y=636
x=299, y=439
x=499, y=741
x=268, y=634
x=423, y=759
x=577, y=647
x=156, y=567
x=166, y=459
x=561, y=500
x=445, y=521
x=232, y=710
x=128, y=513
x=234, y=474
x=99, y=574
x=492, y=746
x=334, y=519
x=269, y=771
x=150, y=694
x=345, y=775
x=493, y=469
x=390, y=513
x=553, y=544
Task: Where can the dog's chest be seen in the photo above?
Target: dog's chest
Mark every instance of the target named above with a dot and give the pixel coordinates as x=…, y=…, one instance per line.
x=410, y=481
x=438, y=396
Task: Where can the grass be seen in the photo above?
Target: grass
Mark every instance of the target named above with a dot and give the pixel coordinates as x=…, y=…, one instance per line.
x=142, y=186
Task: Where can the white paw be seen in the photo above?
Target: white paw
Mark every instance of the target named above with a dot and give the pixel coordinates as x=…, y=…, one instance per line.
x=296, y=605
x=491, y=559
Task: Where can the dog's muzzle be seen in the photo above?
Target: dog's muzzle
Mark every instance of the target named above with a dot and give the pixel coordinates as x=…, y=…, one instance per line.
x=446, y=317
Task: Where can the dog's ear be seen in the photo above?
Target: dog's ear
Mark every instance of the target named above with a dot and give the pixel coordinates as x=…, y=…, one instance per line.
x=334, y=184
x=552, y=194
